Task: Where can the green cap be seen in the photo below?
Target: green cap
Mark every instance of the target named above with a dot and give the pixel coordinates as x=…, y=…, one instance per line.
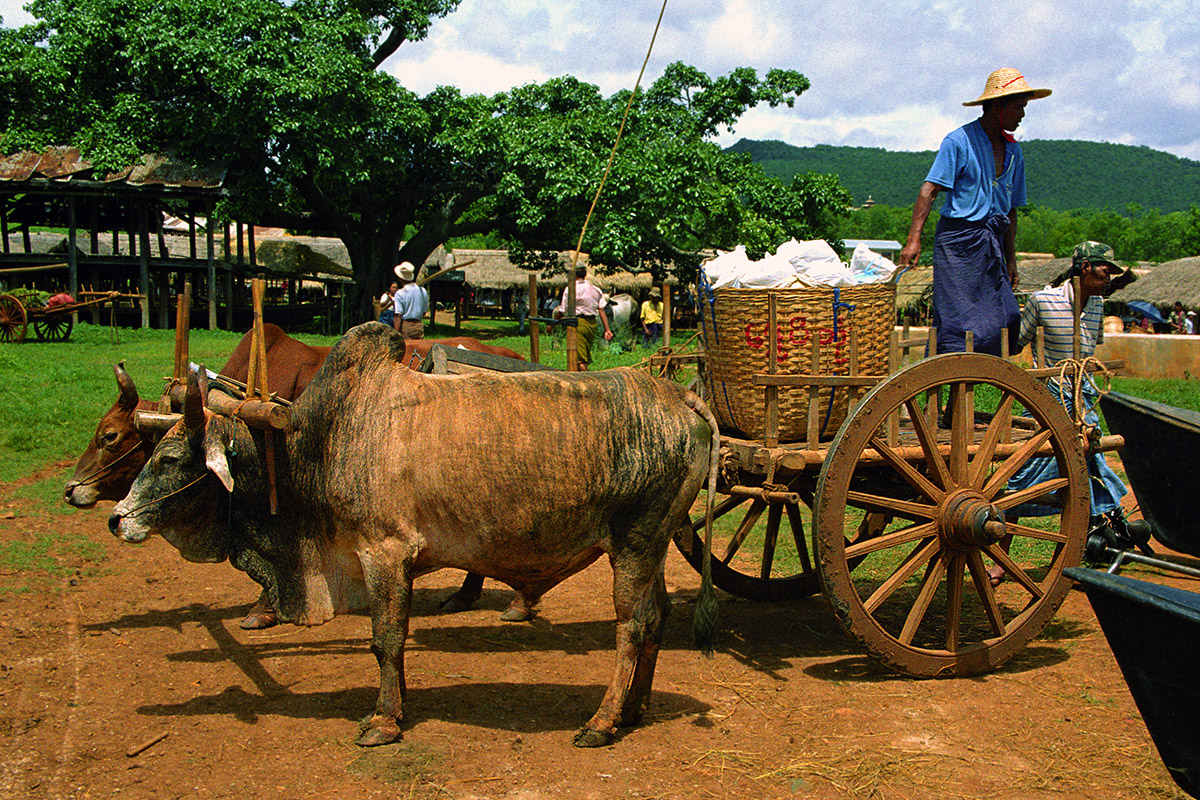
x=1092, y=251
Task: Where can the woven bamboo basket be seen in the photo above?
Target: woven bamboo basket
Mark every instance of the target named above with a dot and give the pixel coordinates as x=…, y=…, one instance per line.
x=735, y=329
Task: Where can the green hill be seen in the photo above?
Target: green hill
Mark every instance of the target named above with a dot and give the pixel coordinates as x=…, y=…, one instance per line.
x=1061, y=174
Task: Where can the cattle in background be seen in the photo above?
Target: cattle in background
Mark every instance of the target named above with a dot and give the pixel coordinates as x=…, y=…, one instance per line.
x=386, y=474
x=116, y=453
x=623, y=311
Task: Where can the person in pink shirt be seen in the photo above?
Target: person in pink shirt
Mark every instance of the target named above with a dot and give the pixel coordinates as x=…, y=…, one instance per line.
x=588, y=299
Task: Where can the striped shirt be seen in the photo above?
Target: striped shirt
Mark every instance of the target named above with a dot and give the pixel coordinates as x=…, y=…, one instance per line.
x=1051, y=309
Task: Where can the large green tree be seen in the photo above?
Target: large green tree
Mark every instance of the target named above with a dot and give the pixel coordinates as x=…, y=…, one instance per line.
x=290, y=95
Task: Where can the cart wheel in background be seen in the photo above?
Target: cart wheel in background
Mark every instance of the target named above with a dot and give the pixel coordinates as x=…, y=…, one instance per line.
x=751, y=560
x=53, y=328
x=918, y=595
x=12, y=319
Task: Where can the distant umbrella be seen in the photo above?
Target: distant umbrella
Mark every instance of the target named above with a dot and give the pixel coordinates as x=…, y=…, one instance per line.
x=1142, y=307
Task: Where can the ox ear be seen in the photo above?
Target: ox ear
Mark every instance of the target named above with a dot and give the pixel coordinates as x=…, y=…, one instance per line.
x=128, y=399
x=217, y=459
x=193, y=406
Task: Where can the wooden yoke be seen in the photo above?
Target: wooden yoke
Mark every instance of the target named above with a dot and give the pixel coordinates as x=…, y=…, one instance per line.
x=256, y=381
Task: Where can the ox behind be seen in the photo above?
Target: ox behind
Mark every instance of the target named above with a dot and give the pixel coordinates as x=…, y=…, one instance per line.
x=525, y=478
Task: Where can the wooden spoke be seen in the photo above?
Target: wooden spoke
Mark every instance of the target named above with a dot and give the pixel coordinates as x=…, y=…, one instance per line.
x=917, y=559
x=901, y=508
x=1014, y=462
x=1013, y=571
x=1030, y=493
x=987, y=446
x=907, y=471
x=774, y=513
x=929, y=585
x=797, y=524
x=894, y=539
x=721, y=509
x=928, y=440
x=1035, y=533
x=983, y=587
x=962, y=429
x=751, y=519
x=954, y=597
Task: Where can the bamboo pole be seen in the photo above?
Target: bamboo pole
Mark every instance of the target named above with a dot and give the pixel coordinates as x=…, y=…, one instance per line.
x=535, y=354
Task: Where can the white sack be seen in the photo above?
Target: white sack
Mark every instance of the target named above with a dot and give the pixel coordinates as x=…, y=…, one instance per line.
x=867, y=266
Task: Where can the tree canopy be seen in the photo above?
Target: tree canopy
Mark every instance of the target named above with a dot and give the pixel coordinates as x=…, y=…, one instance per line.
x=289, y=95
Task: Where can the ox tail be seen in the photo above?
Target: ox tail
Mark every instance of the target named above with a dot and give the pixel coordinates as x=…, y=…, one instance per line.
x=704, y=625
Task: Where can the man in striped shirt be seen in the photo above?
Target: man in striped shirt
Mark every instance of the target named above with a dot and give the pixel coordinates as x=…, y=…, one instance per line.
x=1052, y=309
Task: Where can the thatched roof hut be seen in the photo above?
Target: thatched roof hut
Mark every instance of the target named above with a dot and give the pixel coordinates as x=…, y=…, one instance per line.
x=1166, y=283
x=491, y=269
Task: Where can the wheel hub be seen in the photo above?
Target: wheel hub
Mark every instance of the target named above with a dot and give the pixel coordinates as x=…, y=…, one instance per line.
x=966, y=520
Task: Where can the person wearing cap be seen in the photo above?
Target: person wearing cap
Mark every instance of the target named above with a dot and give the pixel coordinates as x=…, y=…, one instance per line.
x=1053, y=310
x=981, y=169
x=588, y=300
x=1189, y=322
x=652, y=318
x=411, y=303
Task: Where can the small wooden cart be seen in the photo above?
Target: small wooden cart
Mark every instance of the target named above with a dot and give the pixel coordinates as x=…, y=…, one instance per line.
x=20, y=309
x=906, y=505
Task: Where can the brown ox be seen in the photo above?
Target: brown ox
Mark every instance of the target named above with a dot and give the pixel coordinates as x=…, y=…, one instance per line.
x=118, y=450
x=527, y=478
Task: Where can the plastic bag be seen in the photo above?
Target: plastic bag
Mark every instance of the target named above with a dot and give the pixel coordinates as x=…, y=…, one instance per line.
x=867, y=266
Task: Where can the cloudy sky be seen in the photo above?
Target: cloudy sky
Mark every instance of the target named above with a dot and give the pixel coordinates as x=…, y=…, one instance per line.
x=889, y=74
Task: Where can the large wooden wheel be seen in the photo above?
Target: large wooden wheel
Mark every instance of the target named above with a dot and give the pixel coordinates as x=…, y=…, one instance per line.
x=917, y=594
x=750, y=559
x=53, y=327
x=12, y=319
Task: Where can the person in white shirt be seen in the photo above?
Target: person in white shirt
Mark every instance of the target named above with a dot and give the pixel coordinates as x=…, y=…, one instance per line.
x=411, y=303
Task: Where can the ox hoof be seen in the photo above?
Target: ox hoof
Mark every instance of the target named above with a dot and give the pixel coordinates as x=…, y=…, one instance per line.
x=259, y=619
x=374, y=737
x=591, y=738
x=516, y=614
x=456, y=602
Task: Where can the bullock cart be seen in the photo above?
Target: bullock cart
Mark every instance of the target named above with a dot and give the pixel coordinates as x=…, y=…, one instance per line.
x=898, y=515
x=20, y=309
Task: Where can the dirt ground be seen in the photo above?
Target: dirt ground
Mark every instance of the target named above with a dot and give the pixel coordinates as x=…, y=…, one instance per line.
x=136, y=682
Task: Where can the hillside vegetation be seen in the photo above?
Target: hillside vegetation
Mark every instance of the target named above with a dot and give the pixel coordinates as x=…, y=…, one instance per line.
x=1063, y=175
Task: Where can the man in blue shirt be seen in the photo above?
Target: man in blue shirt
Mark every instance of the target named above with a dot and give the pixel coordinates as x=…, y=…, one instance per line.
x=982, y=171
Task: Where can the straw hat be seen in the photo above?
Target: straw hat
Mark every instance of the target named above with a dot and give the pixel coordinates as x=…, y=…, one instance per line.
x=1007, y=81
x=404, y=271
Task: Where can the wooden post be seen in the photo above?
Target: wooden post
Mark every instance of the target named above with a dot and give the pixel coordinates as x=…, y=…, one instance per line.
x=72, y=255
x=853, y=391
x=814, y=397
x=210, y=260
x=572, y=332
x=183, y=315
x=534, y=345
x=666, y=293
x=143, y=263
x=894, y=365
x=771, y=394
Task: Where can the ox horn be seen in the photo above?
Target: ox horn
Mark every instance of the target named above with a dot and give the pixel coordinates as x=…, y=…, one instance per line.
x=128, y=398
x=193, y=404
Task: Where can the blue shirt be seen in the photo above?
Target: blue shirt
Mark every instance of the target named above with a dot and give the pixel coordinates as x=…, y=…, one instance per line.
x=411, y=302
x=966, y=167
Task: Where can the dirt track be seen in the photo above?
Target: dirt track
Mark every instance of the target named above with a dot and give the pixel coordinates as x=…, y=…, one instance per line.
x=96, y=666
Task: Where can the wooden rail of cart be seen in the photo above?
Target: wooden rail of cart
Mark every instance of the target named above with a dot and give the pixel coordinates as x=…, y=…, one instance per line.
x=905, y=506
